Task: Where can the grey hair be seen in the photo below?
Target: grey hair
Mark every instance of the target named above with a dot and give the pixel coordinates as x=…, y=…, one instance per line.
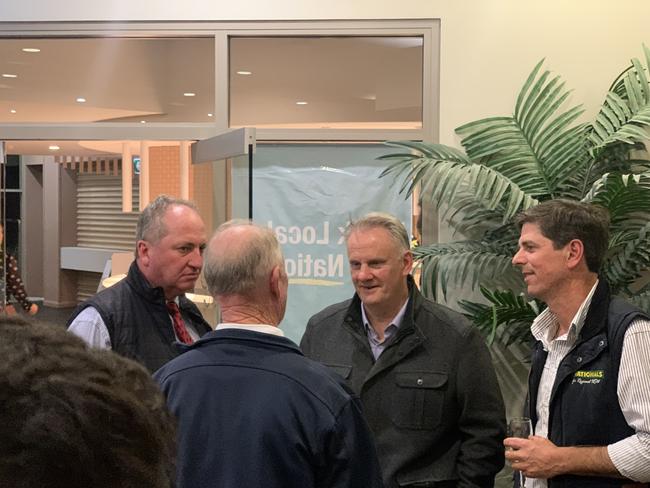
x=150, y=225
x=241, y=272
x=381, y=220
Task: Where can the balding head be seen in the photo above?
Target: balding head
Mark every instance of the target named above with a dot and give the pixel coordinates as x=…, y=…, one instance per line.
x=240, y=258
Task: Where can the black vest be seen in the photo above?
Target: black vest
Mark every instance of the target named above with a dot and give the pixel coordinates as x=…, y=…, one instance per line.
x=137, y=320
x=584, y=408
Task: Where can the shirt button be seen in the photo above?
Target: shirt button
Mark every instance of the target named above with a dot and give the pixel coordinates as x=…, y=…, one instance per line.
x=420, y=382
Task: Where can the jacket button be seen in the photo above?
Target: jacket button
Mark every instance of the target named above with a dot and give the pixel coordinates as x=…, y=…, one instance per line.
x=579, y=359
x=420, y=382
x=601, y=343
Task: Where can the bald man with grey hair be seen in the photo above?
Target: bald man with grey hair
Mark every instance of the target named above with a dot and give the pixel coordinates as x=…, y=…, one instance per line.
x=252, y=410
x=234, y=269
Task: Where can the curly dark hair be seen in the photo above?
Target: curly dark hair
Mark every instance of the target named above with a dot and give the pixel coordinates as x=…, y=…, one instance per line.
x=76, y=418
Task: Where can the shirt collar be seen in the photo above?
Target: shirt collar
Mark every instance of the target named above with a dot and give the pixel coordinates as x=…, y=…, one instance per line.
x=545, y=324
x=263, y=328
x=397, y=320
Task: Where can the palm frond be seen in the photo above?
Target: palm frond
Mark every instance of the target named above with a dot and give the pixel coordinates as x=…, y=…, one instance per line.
x=625, y=266
x=512, y=313
x=625, y=115
x=443, y=180
x=465, y=263
x=537, y=148
x=622, y=195
x=469, y=218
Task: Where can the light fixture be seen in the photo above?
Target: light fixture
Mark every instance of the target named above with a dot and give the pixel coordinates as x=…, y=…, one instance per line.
x=143, y=121
x=301, y=103
x=81, y=100
x=13, y=111
x=189, y=94
x=54, y=147
x=31, y=50
x=209, y=115
x=244, y=73
x=9, y=75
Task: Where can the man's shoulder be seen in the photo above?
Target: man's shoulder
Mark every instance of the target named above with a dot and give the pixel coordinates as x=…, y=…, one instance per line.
x=429, y=315
x=319, y=382
x=101, y=303
x=619, y=307
x=259, y=360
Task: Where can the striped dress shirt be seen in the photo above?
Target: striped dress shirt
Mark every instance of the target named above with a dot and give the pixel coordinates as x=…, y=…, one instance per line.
x=631, y=455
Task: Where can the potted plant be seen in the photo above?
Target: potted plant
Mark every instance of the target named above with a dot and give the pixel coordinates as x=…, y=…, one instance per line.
x=511, y=163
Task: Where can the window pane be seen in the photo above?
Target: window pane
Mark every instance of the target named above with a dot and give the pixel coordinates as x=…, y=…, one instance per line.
x=107, y=80
x=326, y=82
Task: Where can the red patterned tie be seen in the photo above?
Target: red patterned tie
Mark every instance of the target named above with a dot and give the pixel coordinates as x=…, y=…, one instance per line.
x=179, y=326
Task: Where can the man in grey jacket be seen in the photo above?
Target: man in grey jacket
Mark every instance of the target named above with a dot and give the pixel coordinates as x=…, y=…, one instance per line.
x=423, y=373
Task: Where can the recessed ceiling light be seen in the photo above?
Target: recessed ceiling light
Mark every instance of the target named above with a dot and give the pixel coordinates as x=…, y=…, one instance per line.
x=301, y=103
x=189, y=94
x=9, y=75
x=209, y=115
x=81, y=100
x=31, y=50
x=54, y=147
x=244, y=73
x=143, y=121
x=13, y=111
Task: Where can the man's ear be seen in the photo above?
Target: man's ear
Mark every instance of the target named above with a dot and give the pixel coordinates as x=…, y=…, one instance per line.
x=575, y=253
x=143, y=252
x=275, y=281
x=407, y=259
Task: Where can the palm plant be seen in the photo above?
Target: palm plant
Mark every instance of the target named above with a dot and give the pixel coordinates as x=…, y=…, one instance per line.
x=512, y=163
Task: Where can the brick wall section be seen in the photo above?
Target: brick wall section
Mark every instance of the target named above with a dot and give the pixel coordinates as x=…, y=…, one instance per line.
x=164, y=169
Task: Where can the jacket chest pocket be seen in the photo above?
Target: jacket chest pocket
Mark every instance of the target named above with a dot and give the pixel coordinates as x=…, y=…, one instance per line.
x=418, y=400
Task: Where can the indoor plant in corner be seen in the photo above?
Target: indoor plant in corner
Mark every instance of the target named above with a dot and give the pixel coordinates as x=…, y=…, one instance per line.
x=514, y=162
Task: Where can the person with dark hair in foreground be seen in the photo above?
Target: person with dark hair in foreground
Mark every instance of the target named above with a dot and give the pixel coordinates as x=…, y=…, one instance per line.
x=252, y=411
x=589, y=385
x=71, y=417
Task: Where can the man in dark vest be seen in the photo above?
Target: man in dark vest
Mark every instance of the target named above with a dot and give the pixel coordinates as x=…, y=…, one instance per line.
x=142, y=316
x=589, y=387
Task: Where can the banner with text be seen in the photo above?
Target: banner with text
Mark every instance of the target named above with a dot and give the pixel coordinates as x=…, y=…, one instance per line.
x=307, y=194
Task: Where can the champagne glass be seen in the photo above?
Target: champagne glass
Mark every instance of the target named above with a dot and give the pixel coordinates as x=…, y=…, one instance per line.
x=520, y=427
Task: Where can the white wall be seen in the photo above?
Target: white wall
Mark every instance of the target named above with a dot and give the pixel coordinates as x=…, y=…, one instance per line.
x=487, y=46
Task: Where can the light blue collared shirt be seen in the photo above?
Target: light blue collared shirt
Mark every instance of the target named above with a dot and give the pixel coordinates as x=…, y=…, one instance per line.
x=376, y=345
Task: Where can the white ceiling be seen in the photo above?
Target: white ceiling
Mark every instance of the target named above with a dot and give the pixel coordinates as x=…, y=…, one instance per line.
x=345, y=82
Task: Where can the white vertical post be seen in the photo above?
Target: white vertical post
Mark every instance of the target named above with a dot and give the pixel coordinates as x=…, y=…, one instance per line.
x=185, y=169
x=127, y=178
x=144, y=174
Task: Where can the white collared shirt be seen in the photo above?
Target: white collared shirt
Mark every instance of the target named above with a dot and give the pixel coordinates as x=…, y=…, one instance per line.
x=263, y=328
x=631, y=456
